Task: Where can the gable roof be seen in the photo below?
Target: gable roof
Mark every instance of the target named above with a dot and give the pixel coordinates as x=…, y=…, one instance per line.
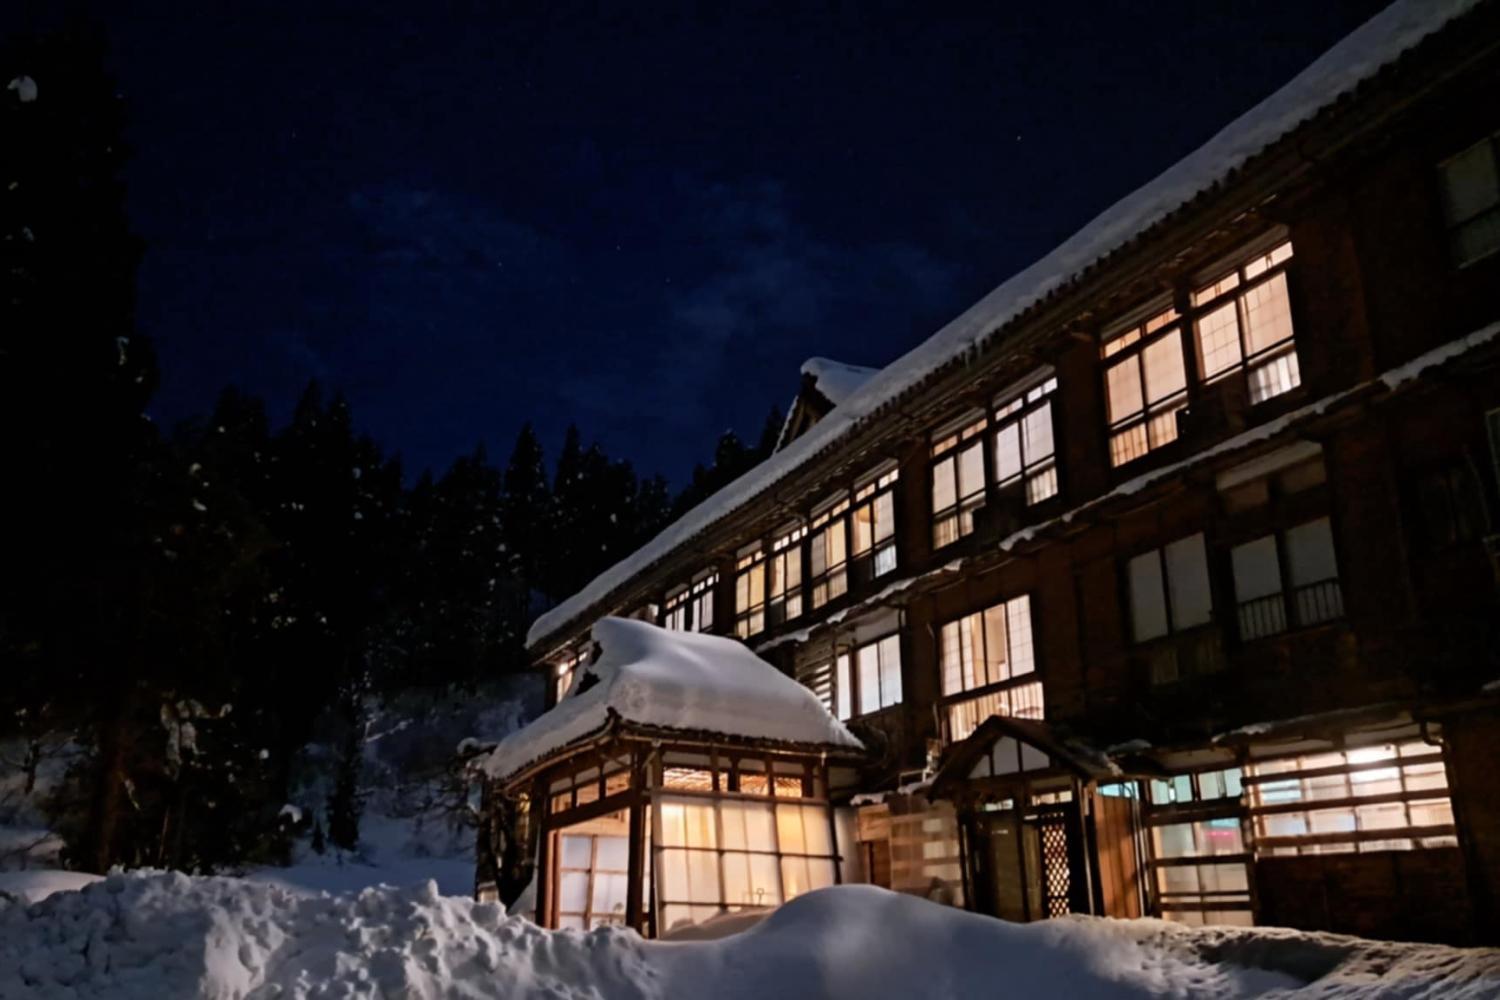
x=684, y=681
x=1353, y=60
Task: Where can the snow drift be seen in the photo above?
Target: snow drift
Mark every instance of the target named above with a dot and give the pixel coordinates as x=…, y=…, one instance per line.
x=167, y=936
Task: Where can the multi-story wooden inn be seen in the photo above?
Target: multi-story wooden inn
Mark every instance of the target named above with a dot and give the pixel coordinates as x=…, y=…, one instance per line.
x=1164, y=579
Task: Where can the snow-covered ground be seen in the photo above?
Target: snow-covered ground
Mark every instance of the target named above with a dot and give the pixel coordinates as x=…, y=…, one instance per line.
x=169, y=935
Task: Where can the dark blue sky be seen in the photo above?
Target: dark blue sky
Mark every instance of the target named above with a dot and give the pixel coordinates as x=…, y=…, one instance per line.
x=639, y=219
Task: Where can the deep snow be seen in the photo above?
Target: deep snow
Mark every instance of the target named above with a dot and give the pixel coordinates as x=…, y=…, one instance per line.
x=167, y=936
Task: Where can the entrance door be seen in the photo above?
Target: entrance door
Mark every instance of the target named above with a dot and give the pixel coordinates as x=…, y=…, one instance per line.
x=1027, y=867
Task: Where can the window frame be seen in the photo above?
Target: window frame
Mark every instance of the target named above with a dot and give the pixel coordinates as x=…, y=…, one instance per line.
x=1127, y=342
x=945, y=461
x=1452, y=226
x=1170, y=611
x=785, y=602
x=865, y=564
x=1013, y=409
x=848, y=684
x=691, y=604
x=750, y=565
x=965, y=702
x=1285, y=608
x=831, y=584
x=1253, y=269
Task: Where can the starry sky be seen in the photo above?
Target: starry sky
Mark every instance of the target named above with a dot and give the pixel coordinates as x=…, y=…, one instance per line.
x=639, y=218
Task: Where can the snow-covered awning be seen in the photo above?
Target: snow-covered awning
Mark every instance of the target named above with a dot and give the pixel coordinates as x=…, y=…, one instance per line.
x=662, y=680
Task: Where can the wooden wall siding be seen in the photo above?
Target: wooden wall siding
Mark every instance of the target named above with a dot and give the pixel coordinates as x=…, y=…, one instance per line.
x=1114, y=830
x=1401, y=895
x=1473, y=748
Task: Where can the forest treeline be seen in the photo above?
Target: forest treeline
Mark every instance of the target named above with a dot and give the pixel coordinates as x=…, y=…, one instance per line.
x=185, y=604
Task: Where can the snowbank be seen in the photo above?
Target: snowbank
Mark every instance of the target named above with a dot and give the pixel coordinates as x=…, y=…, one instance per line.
x=1356, y=58
x=170, y=936
x=35, y=885
x=675, y=680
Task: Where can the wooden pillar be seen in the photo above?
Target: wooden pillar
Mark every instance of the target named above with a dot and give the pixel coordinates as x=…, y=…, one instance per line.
x=833, y=825
x=635, y=868
x=544, y=857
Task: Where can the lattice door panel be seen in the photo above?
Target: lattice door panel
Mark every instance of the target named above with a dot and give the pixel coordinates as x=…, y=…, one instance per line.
x=1056, y=875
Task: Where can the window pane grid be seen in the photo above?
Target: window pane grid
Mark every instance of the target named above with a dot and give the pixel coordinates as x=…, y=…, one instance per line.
x=1144, y=388
x=1025, y=449
x=1244, y=322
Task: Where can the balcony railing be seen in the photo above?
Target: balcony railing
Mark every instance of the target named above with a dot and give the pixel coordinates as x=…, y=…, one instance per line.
x=1184, y=655
x=1311, y=604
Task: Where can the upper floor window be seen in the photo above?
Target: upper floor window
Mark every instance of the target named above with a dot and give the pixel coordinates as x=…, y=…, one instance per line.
x=1242, y=321
x=1287, y=578
x=828, y=553
x=565, y=672
x=957, y=480
x=1145, y=385
x=1169, y=589
x=989, y=651
x=691, y=608
x=874, y=526
x=750, y=591
x=1024, y=448
x=785, y=602
x=868, y=679
x=1471, y=200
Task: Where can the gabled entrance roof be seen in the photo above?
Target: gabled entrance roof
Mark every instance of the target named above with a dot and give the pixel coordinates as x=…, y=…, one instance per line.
x=1004, y=746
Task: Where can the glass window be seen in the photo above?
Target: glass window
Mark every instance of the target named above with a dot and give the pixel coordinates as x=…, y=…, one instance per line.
x=1025, y=451
x=1145, y=385
x=1243, y=320
x=873, y=521
x=957, y=482
x=828, y=554
x=690, y=608
x=750, y=593
x=1302, y=590
x=1311, y=804
x=1471, y=201
x=876, y=675
x=1169, y=589
x=785, y=601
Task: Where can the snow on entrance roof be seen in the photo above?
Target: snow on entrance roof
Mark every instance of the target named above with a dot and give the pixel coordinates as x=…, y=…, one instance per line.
x=674, y=680
x=1356, y=58
x=836, y=380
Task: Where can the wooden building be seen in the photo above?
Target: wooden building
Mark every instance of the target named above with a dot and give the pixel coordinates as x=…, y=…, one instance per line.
x=1164, y=579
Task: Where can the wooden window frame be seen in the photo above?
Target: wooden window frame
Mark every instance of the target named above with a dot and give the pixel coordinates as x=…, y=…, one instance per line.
x=1327, y=591
x=949, y=702
x=1038, y=477
x=749, y=615
x=833, y=583
x=785, y=576
x=865, y=564
x=949, y=447
x=1453, y=226
x=856, y=687
x=1125, y=344
x=1253, y=270
x=692, y=604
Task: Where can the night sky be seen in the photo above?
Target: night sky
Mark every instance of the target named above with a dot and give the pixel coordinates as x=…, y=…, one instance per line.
x=466, y=216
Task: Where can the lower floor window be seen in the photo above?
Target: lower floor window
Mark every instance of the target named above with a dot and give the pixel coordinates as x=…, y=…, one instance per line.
x=1380, y=798
x=717, y=856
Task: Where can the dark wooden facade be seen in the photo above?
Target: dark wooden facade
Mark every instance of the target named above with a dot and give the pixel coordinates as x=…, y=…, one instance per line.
x=1408, y=479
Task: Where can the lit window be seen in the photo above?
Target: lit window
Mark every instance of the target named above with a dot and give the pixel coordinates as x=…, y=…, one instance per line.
x=874, y=527
x=957, y=481
x=1471, y=200
x=828, y=553
x=691, y=609
x=565, y=672
x=1378, y=798
x=1301, y=589
x=872, y=680
x=1243, y=322
x=1145, y=385
x=1025, y=451
x=989, y=651
x=750, y=593
x=786, y=577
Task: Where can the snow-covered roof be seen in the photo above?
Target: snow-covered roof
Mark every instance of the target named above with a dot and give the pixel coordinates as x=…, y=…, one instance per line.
x=836, y=380
x=1356, y=58
x=674, y=680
